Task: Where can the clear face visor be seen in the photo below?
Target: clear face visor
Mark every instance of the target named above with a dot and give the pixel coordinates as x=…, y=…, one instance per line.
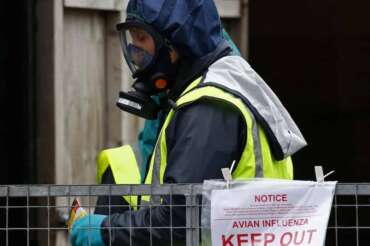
x=139, y=48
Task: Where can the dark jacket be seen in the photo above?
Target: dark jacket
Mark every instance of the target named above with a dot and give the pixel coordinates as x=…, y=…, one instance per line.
x=201, y=138
x=198, y=147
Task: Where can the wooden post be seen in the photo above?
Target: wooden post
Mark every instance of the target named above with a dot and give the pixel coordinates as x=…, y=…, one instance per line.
x=49, y=79
x=244, y=28
x=49, y=103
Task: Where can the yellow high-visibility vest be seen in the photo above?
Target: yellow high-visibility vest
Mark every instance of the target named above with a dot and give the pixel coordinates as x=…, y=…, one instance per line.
x=124, y=166
x=256, y=160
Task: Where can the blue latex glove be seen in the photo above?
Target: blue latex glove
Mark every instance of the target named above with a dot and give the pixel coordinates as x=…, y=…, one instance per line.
x=87, y=231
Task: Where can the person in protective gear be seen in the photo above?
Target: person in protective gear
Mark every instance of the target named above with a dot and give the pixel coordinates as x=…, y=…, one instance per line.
x=214, y=109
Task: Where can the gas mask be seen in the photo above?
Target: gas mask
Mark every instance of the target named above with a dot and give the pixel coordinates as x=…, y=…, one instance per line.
x=147, y=55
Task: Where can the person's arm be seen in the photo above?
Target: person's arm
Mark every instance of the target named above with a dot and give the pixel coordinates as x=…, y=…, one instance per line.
x=201, y=139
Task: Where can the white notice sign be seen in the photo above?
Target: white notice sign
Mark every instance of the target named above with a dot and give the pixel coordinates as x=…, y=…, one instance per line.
x=271, y=213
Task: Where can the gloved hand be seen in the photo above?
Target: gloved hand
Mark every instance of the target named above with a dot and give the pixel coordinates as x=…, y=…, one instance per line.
x=87, y=231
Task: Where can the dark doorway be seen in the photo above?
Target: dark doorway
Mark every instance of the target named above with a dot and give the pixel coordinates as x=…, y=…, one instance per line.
x=316, y=57
x=17, y=92
x=17, y=134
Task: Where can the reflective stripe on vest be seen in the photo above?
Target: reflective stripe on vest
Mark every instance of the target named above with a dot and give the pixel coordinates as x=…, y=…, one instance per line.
x=256, y=159
x=125, y=169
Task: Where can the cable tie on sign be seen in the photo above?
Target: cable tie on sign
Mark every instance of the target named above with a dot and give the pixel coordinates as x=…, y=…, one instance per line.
x=319, y=173
x=232, y=167
x=329, y=173
x=226, y=173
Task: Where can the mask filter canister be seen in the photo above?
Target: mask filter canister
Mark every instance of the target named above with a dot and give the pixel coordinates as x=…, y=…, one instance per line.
x=138, y=104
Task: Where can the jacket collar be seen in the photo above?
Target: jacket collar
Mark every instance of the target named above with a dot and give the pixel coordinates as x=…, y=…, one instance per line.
x=190, y=70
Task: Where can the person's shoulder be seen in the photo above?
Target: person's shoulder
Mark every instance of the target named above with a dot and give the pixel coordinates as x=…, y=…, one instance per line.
x=207, y=109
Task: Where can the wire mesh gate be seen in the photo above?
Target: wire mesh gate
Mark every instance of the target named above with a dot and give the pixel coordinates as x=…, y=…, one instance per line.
x=34, y=214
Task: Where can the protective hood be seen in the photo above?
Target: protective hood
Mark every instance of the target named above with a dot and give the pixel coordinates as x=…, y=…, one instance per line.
x=234, y=74
x=192, y=26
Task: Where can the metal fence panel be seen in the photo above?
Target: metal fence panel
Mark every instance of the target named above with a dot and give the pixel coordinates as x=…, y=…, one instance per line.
x=32, y=214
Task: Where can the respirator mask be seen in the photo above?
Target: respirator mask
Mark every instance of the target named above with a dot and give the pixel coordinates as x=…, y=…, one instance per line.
x=147, y=55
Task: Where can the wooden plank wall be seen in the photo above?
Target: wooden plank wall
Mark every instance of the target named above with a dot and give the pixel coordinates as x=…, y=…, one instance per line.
x=84, y=93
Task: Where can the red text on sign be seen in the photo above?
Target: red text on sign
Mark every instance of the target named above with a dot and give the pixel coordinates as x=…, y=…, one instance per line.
x=271, y=198
x=248, y=239
x=293, y=238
